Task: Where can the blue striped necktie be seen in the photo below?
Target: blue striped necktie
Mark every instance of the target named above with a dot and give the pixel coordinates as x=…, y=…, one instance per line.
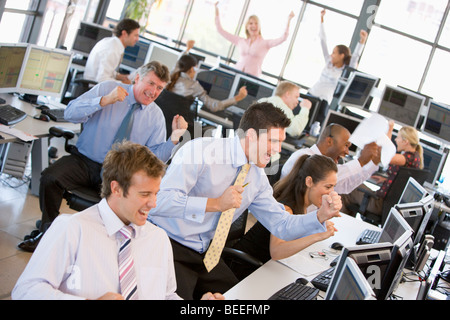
x=125, y=128
x=127, y=275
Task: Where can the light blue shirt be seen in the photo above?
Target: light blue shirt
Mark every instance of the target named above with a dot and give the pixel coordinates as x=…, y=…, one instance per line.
x=204, y=168
x=100, y=125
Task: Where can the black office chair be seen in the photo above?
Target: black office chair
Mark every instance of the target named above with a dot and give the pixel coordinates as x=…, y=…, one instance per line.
x=234, y=256
x=172, y=104
x=83, y=197
x=392, y=196
x=76, y=85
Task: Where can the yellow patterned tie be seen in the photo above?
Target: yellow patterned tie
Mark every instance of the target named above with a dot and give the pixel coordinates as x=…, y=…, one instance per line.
x=214, y=252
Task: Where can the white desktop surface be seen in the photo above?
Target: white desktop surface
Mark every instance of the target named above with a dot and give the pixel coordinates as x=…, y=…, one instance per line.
x=274, y=275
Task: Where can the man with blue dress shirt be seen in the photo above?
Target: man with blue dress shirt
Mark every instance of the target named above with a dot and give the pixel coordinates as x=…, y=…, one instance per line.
x=101, y=111
x=198, y=186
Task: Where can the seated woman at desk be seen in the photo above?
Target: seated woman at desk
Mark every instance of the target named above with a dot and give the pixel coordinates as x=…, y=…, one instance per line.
x=183, y=84
x=254, y=48
x=410, y=154
x=311, y=181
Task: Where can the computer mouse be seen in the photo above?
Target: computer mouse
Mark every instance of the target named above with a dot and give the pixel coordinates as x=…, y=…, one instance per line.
x=337, y=246
x=302, y=281
x=42, y=117
x=42, y=107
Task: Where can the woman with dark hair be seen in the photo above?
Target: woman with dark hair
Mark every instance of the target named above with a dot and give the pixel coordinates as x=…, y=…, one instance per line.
x=310, y=182
x=335, y=63
x=183, y=84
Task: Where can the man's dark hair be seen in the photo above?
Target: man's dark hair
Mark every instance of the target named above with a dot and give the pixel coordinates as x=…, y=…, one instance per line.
x=263, y=116
x=128, y=25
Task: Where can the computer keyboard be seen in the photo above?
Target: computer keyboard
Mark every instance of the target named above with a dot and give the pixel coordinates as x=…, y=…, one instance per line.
x=10, y=115
x=322, y=281
x=368, y=237
x=295, y=291
x=55, y=114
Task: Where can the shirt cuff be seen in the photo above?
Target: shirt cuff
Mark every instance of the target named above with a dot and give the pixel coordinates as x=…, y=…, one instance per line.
x=195, y=209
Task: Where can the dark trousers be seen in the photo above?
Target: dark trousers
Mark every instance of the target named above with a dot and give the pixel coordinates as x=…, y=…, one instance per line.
x=68, y=172
x=193, y=280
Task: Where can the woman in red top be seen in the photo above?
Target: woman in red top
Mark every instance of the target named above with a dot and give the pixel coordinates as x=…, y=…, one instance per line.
x=410, y=154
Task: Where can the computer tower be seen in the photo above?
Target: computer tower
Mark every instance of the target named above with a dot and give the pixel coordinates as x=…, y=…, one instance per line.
x=15, y=157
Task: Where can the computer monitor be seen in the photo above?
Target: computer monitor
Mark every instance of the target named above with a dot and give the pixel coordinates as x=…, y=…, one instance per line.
x=357, y=91
x=216, y=82
x=434, y=160
x=11, y=61
x=166, y=55
x=372, y=259
x=437, y=122
x=401, y=105
x=44, y=71
x=432, y=278
x=417, y=215
x=347, y=121
x=413, y=192
x=88, y=35
x=135, y=57
x=394, y=227
x=256, y=89
x=349, y=283
x=399, y=256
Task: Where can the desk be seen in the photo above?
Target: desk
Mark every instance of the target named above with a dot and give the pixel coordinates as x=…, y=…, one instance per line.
x=37, y=128
x=274, y=275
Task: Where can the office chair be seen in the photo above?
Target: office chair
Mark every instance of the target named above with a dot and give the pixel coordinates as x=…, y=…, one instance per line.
x=82, y=197
x=76, y=85
x=234, y=256
x=392, y=196
x=172, y=104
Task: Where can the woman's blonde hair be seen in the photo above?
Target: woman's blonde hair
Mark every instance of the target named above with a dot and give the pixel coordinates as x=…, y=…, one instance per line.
x=412, y=136
x=247, y=23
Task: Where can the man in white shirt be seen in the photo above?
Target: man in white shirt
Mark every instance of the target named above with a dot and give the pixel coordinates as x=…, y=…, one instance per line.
x=106, y=56
x=334, y=143
x=78, y=257
x=286, y=98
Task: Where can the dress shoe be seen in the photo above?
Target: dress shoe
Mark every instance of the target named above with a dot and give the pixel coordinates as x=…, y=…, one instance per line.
x=30, y=244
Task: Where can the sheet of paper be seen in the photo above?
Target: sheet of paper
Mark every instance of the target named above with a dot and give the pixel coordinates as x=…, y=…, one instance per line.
x=17, y=133
x=369, y=130
x=303, y=265
x=374, y=129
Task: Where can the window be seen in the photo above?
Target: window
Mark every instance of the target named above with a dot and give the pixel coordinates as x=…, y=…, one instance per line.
x=201, y=26
x=307, y=61
x=419, y=18
x=167, y=18
x=436, y=83
x=15, y=23
x=350, y=6
x=273, y=25
x=396, y=59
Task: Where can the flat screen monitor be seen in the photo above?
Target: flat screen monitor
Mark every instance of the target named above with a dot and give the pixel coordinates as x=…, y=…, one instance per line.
x=164, y=54
x=394, y=227
x=434, y=160
x=372, y=259
x=349, y=283
x=347, y=121
x=135, y=57
x=399, y=256
x=437, y=123
x=401, y=105
x=413, y=192
x=44, y=71
x=11, y=61
x=88, y=35
x=256, y=90
x=358, y=90
x=216, y=82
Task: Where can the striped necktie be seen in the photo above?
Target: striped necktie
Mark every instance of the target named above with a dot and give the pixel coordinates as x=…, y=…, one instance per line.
x=127, y=275
x=127, y=123
x=215, y=249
